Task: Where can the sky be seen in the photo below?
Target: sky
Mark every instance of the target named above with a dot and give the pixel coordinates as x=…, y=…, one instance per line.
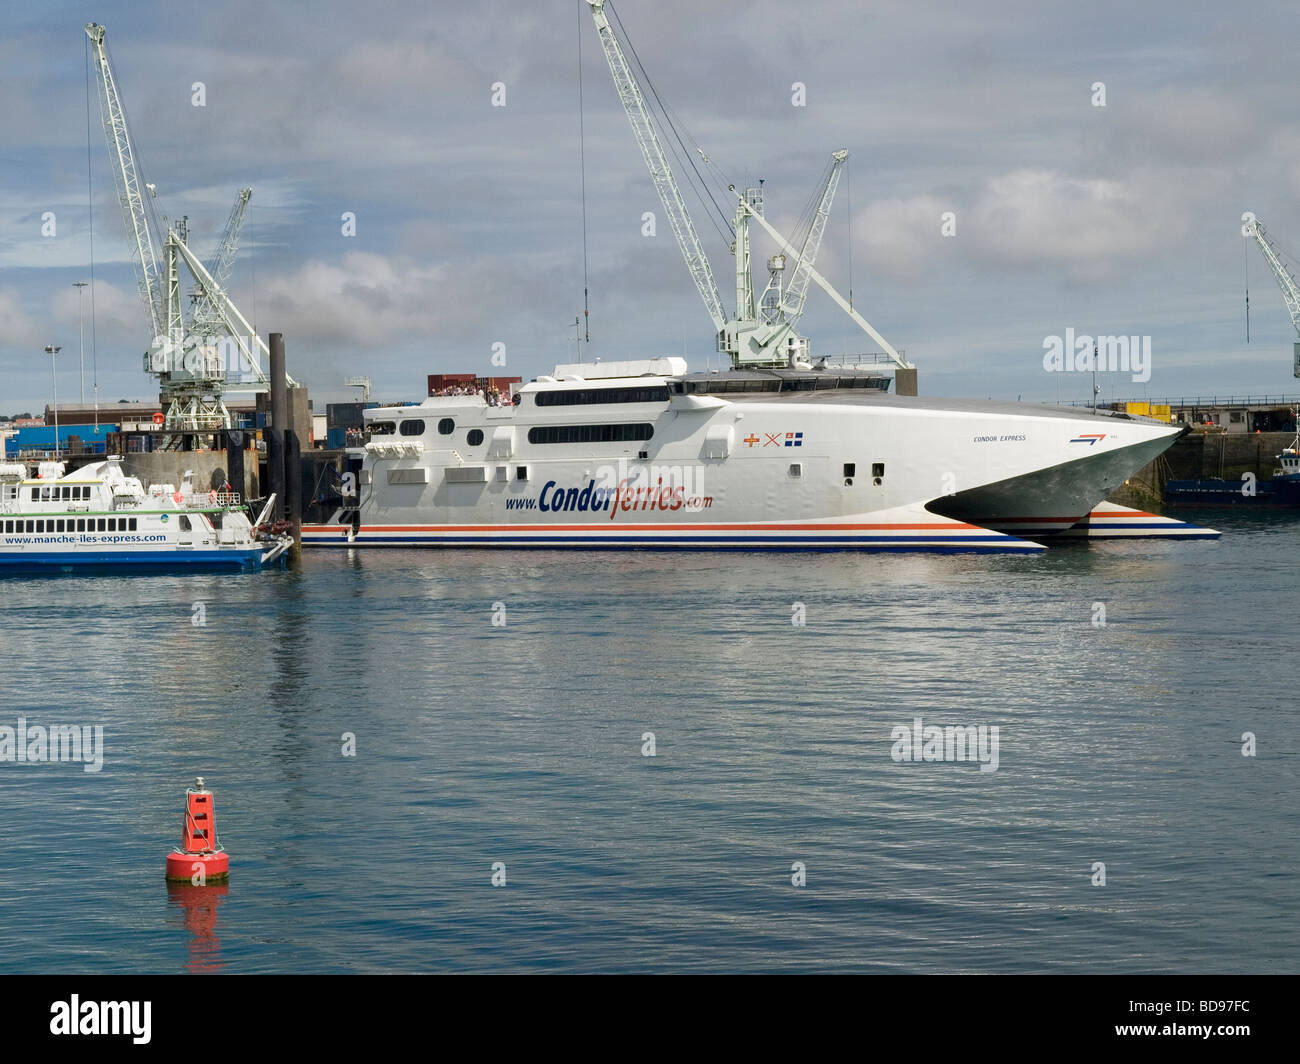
x=1122, y=218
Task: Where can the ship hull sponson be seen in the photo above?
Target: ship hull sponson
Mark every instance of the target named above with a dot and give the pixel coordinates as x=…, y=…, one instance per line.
x=1049, y=500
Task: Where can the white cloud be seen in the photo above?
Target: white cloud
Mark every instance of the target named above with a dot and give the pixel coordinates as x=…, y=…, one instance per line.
x=115, y=308
x=1083, y=225
x=18, y=328
x=367, y=299
x=899, y=237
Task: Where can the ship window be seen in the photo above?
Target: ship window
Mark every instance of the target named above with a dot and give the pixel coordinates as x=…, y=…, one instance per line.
x=45, y=493
x=655, y=393
x=132, y=524
x=589, y=433
x=446, y=426
x=475, y=437
x=60, y=524
x=521, y=472
x=112, y=524
x=877, y=469
x=101, y=525
x=185, y=523
x=383, y=428
x=40, y=526
x=796, y=469
x=81, y=524
x=411, y=427
x=31, y=526
x=850, y=469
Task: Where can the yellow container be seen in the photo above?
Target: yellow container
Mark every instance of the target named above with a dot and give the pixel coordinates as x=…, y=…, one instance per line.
x=1138, y=408
x=1161, y=411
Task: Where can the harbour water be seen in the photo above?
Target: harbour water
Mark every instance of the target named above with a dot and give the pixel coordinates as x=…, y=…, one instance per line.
x=500, y=703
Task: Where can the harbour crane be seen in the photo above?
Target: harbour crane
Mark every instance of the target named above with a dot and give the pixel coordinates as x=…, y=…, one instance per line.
x=206, y=321
x=1285, y=279
x=190, y=368
x=754, y=336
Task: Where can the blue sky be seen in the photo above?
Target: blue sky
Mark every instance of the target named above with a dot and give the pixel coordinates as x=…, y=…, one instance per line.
x=1116, y=219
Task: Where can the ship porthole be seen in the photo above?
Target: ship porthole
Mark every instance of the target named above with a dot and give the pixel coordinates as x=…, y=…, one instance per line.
x=878, y=481
x=848, y=482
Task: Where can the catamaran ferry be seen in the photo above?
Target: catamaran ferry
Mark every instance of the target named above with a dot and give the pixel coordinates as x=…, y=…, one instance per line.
x=96, y=516
x=644, y=454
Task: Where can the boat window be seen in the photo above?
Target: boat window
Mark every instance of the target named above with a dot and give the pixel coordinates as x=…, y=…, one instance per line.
x=590, y=433
x=101, y=525
x=521, y=472
x=796, y=469
x=185, y=523
x=475, y=437
x=132, y=524
x=850, y=469
x=60, y=527
x=654, y=393
x=411, y=427
x=40, y=526
x=31, y=526
x=383, y=428
x=877, y=469
x=446, y=426
x=81, y=524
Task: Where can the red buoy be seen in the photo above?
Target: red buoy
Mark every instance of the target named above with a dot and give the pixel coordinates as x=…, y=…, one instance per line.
x=200, y=856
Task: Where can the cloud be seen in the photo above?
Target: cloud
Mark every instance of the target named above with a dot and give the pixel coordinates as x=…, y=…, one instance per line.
x=1081, y=225
x=368, y=300
x=20, y=331
x=899, y=237
x=1189, y=125
x=116, y=309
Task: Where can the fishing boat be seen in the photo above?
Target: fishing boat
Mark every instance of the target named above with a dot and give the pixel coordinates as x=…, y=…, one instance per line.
x=98, y=517
x=1282, y=490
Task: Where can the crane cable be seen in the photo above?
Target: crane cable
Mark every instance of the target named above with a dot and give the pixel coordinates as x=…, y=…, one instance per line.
x=90, y=225
x=582, y=164
x=687, y=167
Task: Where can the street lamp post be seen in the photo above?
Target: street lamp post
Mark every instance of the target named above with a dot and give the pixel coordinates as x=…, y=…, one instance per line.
x=52, y=350
x=79, y=285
